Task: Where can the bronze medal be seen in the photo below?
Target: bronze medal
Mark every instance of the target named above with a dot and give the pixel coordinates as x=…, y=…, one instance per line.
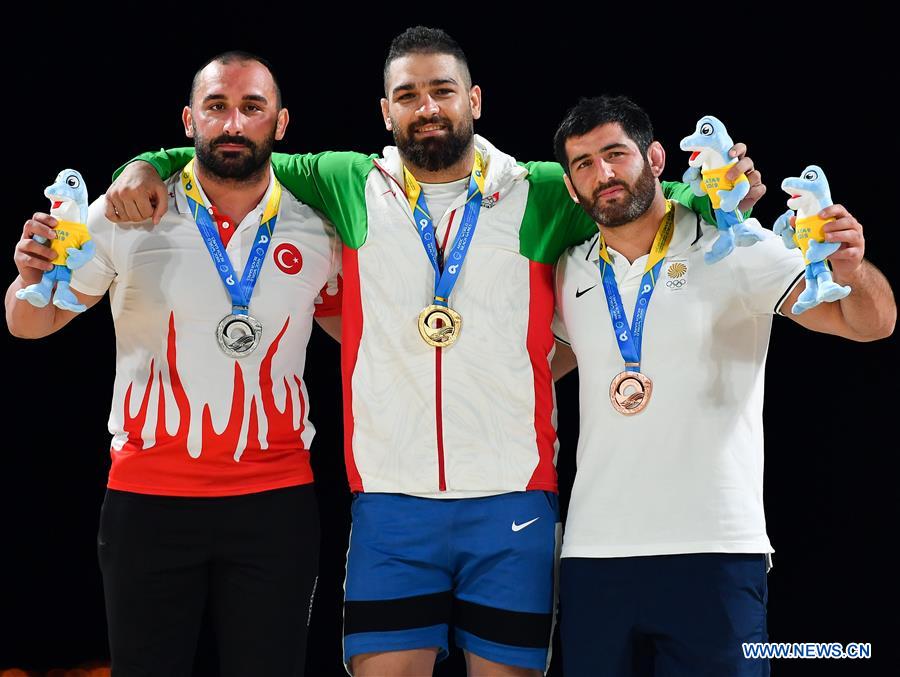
x=439, y=326
x=630, y=392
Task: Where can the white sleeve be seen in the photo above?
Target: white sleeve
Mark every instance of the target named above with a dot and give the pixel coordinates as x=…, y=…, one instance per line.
x=769, y=271
x=95, y=276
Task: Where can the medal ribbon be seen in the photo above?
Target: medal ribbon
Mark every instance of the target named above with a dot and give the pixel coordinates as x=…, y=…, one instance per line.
x=629, y=338
x=242, y=290
x=446, y=278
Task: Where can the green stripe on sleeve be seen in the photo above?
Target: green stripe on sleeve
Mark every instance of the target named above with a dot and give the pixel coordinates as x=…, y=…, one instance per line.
x=332, y=182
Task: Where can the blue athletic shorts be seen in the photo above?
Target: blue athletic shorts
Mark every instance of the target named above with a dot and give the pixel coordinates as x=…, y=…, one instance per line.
x=672, y=615
x=483, y=566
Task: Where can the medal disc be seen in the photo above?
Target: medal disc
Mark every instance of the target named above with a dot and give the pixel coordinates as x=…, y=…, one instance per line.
x=238, y=335
x=630, y=392
x=439, y=326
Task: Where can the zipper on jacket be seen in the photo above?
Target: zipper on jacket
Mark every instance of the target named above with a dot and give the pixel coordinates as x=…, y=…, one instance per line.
x=438, y=406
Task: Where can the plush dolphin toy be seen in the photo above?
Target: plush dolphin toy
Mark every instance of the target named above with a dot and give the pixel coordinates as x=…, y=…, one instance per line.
x=73, y=245
x=809, y=195
x=708, y=164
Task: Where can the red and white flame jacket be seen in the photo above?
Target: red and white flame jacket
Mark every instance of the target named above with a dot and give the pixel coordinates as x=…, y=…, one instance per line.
x=186, y=419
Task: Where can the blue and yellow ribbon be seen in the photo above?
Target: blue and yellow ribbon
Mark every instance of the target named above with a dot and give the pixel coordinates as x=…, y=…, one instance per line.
x=445, y=277
x=628, y=337
x=242, y=291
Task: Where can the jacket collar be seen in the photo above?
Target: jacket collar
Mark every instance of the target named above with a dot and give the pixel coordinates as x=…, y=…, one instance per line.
x=181, y=202
x=501, y=169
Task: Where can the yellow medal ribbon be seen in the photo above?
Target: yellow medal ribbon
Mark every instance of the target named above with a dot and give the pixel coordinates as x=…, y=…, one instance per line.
x=192, y=190
x=414, y=190
x=660, y=243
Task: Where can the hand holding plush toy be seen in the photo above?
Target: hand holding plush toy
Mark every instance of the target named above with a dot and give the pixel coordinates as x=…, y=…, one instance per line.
x=810, y=194
x=708, y=165
x=73, y=245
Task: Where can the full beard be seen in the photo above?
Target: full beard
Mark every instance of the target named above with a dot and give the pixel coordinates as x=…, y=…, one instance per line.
x=239, y=166
x=437, y=153
x=624, y=210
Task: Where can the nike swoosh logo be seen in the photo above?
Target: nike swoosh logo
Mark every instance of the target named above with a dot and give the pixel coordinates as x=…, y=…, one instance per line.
x=519, y=527
x=579, y=292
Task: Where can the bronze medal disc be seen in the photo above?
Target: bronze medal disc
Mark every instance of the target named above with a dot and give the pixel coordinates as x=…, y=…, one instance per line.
x=630, y=392
x=439, y=326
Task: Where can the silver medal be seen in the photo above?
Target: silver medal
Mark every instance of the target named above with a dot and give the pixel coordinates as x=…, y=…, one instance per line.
x=238, y=335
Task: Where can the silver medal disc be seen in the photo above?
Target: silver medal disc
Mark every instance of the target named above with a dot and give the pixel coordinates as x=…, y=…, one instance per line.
x=238, y=335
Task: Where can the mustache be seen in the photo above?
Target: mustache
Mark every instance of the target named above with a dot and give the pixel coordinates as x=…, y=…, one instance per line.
x=609, y=184
x=232, y=141
x=435, y=120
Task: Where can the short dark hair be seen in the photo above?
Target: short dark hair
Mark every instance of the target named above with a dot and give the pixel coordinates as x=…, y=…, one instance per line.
x=588, y=114
x=423, y=40
x=241, y=57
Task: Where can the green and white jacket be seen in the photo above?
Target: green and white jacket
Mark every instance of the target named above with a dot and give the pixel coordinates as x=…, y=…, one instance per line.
x=475, y=418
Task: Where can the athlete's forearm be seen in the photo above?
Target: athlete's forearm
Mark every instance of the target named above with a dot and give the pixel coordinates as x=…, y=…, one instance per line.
x=166, y=162
x=870, y=310
x=25, y=320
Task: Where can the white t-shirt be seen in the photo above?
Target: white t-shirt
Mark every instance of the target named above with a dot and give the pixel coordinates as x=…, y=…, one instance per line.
x=439, y=197
x=686, y=474
x=186, y=419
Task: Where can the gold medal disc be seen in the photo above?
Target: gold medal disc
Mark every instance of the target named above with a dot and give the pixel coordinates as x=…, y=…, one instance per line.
x=630, y=392
x=439, y=326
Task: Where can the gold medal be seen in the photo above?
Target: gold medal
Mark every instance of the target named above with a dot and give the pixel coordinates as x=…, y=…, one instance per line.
x=630, y=392
x=439, y=326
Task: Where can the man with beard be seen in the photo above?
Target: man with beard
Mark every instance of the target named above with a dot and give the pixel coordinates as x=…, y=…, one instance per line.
x=448, y=396
x=220, y=512
x=665, y=556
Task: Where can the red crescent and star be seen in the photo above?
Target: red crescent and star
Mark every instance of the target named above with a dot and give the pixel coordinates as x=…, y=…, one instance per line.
x=288, y=259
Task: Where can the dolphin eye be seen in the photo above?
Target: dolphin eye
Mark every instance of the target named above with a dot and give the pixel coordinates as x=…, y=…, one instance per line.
x=72, y=181
x=811, y=175
x=706, y=129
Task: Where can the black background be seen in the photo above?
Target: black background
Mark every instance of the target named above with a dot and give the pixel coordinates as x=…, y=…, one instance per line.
x=92, y=90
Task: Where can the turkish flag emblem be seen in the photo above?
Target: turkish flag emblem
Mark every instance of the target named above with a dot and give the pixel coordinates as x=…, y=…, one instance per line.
x=288, y=259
